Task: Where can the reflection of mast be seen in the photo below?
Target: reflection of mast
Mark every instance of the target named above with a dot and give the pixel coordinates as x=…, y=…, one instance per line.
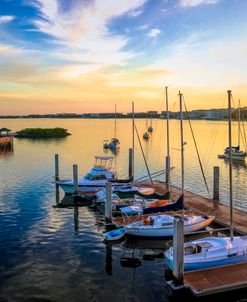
x=108, y=259
x=76, y=220
x=115, y=124
x=168, y=172
x=133, y=139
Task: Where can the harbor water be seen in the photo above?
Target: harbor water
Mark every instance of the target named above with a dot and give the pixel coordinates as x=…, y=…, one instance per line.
x=58, y=254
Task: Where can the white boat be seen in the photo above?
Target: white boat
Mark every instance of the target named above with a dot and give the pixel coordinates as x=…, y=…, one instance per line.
x=95, y=179
x=114, y=143
x=114, y=235
x=236, y=153
x=162, y=225
x=211, y=252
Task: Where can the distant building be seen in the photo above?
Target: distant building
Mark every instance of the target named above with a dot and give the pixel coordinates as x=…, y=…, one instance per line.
x=212, y=114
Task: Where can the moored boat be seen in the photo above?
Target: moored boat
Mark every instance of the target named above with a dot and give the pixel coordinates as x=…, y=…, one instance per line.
x=210, y=252
x=162, y=225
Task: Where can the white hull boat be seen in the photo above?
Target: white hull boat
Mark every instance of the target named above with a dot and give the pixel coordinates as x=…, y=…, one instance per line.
x=211, y=252
x=162, y=225
x=114, y=235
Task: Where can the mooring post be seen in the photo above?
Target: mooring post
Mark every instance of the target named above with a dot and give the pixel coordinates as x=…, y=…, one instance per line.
x=131, y=163
x=75, y=179
x=56, y=167
x=168, y=172
x=57, y=177
x=108, y=203
x=178, y=250
x=216, y=195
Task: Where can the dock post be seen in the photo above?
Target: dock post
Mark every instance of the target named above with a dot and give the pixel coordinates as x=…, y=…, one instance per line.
x=168, y=171
x=178, y=250
x=75, y=179
x=216, y=195
x=131, y=163
x=108, y=203
x=57, y=177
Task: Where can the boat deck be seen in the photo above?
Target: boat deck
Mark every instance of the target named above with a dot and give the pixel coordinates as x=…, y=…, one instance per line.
x=195, y=203
x=216, y=280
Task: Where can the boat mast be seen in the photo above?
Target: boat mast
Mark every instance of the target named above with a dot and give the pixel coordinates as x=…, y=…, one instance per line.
x=115, y=125
x=133, y=138
x=239, y=124
x=168, y=172
x=229, y=92
x=182, y=138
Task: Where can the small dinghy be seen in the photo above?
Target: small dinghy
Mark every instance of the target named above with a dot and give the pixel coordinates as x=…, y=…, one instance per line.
x=114, y=235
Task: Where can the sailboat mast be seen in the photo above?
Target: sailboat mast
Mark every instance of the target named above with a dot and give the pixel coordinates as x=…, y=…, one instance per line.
x=133, y=138
x=239, y=124
x=229, y=92
x=182, y=139
x=168, y=172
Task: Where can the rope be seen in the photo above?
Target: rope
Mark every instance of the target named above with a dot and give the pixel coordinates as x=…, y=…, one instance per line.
x=197, y=151
x=150, y=177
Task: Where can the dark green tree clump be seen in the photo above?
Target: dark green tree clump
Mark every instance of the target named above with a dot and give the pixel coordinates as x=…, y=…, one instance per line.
x=43, y=133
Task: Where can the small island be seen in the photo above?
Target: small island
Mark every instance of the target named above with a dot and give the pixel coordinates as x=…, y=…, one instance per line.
x=42, y=133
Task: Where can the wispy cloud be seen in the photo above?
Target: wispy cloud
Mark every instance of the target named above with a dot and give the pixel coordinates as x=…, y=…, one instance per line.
x=191, y=3
x=84, y=28
x=135, y=13
x=154, y=32
x=6, y=19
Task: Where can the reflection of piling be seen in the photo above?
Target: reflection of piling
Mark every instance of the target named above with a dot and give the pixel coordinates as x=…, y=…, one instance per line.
x=6, y=144
x=108, y=203
x=216, y=184
x=57, y=177
x=76, y=220
x=75, y=179
x=108, y=259
x=178, y=250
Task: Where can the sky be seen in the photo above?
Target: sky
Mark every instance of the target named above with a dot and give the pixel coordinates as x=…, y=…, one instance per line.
x=87, y=55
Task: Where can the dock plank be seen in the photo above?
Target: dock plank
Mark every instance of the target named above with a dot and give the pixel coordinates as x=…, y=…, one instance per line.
x=216, y=280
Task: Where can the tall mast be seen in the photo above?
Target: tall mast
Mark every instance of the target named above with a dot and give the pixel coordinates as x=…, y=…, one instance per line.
x=133, y=138
x=182, y=139
x=229, y=92
x=239, y=124
x=115, y=126
x=168, y=172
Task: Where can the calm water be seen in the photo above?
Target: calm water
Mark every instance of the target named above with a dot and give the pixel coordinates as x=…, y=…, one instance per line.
x=51, y=254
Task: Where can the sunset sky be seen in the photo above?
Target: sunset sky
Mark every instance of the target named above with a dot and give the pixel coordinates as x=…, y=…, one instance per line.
x=86, y=55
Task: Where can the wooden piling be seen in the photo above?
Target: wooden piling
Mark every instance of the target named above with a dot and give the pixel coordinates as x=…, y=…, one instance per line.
x=168, y=171
x=108, y=203
x=131, y=163
x=178, y=250
x=75, y=179
x=56, y=167
x=216, y=195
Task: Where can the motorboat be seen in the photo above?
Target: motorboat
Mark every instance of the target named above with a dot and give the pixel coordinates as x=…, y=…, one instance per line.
x=95, y=180
x=145, y=136
x=162, y=225
x=211, y=252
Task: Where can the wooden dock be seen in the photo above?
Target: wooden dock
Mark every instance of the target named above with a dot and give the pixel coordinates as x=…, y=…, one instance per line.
x=216, y=280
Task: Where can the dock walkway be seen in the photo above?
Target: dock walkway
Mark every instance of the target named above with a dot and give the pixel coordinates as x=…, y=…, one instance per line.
x=216, y=280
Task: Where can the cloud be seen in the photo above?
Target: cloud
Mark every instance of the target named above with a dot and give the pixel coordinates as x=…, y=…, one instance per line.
x=6, y=19
x=192, y=3
x=83, y=28
x=154, y=32
x=135, y=13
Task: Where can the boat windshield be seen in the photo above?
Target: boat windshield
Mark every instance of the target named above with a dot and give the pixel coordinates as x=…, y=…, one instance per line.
x=103, y=162
x=88, y=176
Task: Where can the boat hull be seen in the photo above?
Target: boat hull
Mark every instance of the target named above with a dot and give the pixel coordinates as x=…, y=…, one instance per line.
x=154, y=232
x=208, y=264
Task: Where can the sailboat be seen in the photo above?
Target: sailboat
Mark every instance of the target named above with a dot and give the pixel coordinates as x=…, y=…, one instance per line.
x=114, y=143
x=150, y=128
x=213, y=251
x=162, y=225
x=236, y=153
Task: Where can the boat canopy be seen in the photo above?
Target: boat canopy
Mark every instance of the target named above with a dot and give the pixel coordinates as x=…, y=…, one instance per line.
x=104, y=162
